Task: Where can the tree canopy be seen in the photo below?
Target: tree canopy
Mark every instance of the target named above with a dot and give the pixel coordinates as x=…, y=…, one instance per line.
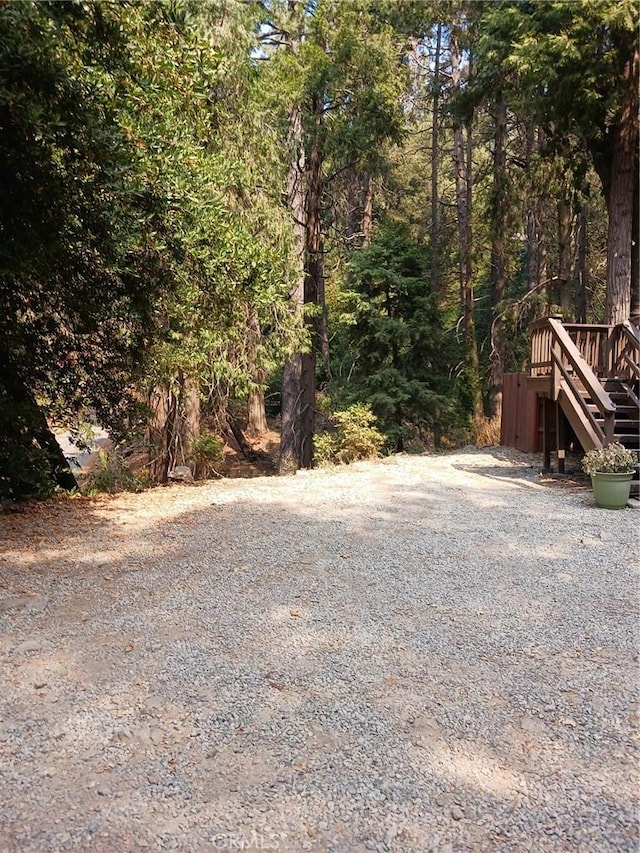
x=199, y=198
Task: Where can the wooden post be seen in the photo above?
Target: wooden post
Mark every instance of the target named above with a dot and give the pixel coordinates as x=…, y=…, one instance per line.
x=609, y=427
x=546, y=434
x=560, y=438
x=556, y=356
x=611, y=351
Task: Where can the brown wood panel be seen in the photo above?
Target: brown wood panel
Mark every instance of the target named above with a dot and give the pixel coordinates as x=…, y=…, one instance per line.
x=508, y=423
x=520, y=414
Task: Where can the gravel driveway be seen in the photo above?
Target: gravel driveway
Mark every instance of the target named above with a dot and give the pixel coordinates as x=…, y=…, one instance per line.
x=427, y=653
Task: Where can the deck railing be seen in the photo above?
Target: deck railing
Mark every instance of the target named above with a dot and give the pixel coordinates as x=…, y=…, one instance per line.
x=569, y=369
x=570, y=365
x=625, y=352
x=610, y=351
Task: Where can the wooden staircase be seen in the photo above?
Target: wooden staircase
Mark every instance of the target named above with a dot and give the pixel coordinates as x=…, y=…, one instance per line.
x=588, y=377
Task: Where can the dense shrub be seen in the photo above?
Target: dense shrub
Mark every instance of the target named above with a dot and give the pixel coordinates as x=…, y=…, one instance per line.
x=207, y=452
x=356, y=437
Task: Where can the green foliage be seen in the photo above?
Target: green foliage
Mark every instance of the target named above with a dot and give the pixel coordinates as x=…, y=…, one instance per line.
x=395, y=353
x=325, y=449
x=568, y=55
x=357, y=437
x=77, y=267
x=206, y=451
x=612, y=459
x=140, y=238
x=25, y=468
x=145, y=241
x=222, y=316
x=353, y=64
x=564, y=64
x=113, y=475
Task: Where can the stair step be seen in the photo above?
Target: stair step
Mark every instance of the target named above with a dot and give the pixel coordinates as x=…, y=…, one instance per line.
x=619, y=380
x=630, y=412
x=629, y=441
x=621, y=411
x=618, y=395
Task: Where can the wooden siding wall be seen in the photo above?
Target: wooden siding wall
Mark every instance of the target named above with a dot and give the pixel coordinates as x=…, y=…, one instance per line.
x=520, y=414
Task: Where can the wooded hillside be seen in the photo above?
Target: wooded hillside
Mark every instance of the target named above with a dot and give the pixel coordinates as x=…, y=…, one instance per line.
x=351, y=208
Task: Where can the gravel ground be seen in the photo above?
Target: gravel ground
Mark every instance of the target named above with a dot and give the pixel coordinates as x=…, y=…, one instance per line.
x=427, y=653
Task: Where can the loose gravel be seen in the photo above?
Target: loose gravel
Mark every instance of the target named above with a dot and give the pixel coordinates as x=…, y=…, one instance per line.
x=429, y=653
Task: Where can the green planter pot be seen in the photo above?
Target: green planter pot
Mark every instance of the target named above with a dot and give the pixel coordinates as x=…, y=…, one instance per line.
x=611, y=491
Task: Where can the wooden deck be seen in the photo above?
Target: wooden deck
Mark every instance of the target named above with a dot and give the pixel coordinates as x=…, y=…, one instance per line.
x=587, y=378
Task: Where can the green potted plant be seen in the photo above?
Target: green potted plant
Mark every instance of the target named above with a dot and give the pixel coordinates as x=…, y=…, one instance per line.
x=611, y=471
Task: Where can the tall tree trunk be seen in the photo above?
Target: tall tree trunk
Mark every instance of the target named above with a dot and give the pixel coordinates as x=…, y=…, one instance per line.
x=160, y=431
x=542, y=226
x=292, y=390
x=314, y=279
x=256, y=413
x=532, y=260
x=435, y=151
x=352, y=224
x=190, y=389
x=535, y=260
x=580, y=275
x=465, y=236
x=367, y=210
x=565, y=299
x=498, y=272
x=313, y=292
x=463, y=178
x=395, y=361
x=307, y=408
x=291, y=439
x=623, y=183
x=532, y=263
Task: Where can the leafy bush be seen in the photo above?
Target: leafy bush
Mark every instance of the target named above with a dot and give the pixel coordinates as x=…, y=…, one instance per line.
x=325, y=447
x=613, y=459
x=207, y=452
x=113, y=475
x=357, y=437
x=26, y=469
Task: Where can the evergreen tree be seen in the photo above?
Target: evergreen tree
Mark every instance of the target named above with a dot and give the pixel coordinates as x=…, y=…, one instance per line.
x=578, y=64
x=393, y=339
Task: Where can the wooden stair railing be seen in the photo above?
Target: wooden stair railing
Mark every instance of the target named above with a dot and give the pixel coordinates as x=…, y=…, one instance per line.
x=626, y=354
x=567, y=366
x=592, y=373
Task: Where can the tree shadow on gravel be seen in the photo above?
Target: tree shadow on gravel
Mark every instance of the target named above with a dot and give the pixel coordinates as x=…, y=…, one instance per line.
x=378, y=668
x=531, y=476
